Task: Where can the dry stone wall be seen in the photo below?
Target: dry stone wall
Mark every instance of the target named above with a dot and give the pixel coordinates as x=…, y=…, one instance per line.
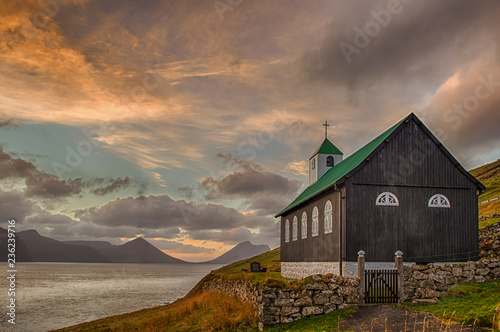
x=489, y=241
x=321, y=294
x=426, y=283
x=324, y=294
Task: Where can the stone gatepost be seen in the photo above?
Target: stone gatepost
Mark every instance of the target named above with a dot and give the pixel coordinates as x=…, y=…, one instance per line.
x=361, y=275
x=399, y=266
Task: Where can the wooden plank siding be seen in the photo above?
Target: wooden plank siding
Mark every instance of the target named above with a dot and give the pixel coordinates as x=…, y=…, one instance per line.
x=321, y=248
x=411, y=166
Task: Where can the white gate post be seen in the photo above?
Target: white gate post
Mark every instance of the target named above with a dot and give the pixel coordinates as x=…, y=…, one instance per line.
x=399, y=267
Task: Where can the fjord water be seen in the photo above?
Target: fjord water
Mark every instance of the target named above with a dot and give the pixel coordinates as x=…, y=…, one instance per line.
x=55, y=295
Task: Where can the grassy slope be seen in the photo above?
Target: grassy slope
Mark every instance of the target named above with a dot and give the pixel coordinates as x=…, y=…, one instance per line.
x=489, y=175
x=472, y=304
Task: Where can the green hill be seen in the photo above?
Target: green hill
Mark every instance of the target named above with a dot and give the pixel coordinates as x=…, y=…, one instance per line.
x=489, y=175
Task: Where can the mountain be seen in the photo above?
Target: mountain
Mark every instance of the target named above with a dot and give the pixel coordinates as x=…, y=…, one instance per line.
x=44, y=249
x=22, y=253
x=241, y=251
x=92, y=244
x=137, y=251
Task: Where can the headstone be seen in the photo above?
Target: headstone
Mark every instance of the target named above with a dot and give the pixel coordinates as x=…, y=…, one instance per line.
x=255, y=267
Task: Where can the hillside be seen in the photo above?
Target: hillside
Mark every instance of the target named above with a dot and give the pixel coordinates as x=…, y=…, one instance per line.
x=22, y=254
x=44, y=249
x=137, y=251
x=241, y=251
x=489, y=175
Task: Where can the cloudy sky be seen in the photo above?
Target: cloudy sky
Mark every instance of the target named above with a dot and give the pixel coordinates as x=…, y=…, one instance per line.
x=189, y=122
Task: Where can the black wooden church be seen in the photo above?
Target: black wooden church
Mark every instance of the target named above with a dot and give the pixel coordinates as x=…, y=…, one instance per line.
x=401, y=191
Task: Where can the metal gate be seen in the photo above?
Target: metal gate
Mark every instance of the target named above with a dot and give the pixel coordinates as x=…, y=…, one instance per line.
x=381, y=286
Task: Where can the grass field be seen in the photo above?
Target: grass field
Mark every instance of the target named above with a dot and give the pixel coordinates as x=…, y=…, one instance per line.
x=489, y=175
x=471, y=304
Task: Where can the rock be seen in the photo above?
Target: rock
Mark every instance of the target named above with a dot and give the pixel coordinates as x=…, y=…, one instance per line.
x=430, y=293
x=285, y=320
x=287, y=311
x=479, y=279
x=450, y=280
x=351, y=282
x=457, y=271
x=316, y=286
x=424, y=301
x=320, y=299
x=271, y=320
x=333, y=286
x=284, y=302
x=336, y=299
x=298, y=295
x=419, y=275
x=283, y=295
x=271, y=311
x=308, y=311
x=345, y=290
x=329, y=308
x=317, y=278
x=483, y=271
x=303, y=302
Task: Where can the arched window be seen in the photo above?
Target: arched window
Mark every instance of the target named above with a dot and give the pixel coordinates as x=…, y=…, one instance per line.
x=328, y=217
x=387, y=199
x=287, y=230
x=329, y=161
x=313, y=164
x=315, y=222
x=439, y=201
x=303, y=226
x=294, y=229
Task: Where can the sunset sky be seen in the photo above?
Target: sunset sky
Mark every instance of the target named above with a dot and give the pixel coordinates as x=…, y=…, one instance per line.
x=190, y=122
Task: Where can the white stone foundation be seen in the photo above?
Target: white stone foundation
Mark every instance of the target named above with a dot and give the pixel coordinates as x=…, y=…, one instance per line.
x=299, y=270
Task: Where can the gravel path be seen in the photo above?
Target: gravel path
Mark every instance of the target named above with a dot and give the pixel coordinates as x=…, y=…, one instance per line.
x=398, y=319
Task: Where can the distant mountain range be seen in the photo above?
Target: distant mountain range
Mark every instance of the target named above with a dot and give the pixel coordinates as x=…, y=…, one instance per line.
x=33, y=247
x=241, y=251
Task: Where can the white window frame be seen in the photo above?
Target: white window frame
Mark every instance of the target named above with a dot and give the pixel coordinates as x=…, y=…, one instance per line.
x=294, y=229
x=287, y=231
x=439, y=201
x=328, y=227
x=387, y=199
x=303, y=226
x=315, y=222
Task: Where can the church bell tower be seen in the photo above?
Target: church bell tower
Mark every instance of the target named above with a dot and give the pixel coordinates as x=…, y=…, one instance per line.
x=324, y=158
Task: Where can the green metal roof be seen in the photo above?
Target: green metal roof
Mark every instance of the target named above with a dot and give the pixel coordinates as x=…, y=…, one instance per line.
x=341, y=169
x=327, y=147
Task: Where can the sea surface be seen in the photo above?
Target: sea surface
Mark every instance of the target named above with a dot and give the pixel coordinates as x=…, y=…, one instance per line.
x=56, y=295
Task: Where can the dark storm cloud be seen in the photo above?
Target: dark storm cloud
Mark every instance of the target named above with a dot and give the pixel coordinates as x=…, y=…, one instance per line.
x=115, y=185
x=38, y=183
x=158, y=212
x=14, y=205
x=264, y=191
x=248, y=180
x=401, y=41
x=45, y=185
